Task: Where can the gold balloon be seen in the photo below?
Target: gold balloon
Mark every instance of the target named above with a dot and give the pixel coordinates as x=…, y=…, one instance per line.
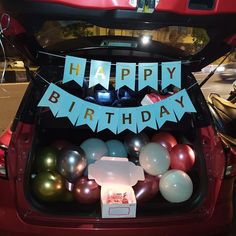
x=48, y=186
x=46, y=159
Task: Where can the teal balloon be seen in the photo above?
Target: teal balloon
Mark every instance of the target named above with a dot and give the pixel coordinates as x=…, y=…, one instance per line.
x=116, y=148
x=94, y=149
x=154, y=159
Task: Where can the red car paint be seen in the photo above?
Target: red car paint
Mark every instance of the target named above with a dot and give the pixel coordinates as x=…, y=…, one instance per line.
x=176, y=6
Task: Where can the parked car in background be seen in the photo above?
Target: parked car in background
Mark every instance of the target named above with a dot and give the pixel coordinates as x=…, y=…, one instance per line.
x=12, y=64
x=228, y=71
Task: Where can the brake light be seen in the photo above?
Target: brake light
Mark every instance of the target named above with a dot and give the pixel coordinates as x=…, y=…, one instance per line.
x=3, y=166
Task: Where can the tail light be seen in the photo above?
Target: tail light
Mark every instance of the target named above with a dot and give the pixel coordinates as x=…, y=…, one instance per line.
x=3, y=164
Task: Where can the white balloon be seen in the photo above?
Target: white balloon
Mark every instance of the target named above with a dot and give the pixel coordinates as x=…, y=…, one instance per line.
x=176, y=186
x=154, y=159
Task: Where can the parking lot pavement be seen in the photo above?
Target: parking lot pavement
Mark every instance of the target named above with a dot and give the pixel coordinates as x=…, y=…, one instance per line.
x=10, y=97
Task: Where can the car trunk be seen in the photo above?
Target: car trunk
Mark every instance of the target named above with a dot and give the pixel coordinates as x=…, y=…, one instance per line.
x=35, y=128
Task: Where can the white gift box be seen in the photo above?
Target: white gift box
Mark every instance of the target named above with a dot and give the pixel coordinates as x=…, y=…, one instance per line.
x=116, y=176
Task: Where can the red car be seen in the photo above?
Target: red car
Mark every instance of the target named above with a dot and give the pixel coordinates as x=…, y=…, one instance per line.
x=45, y=31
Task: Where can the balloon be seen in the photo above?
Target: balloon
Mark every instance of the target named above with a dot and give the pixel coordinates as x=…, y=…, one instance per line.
x=116, y=148
x=134, y=142
x=154, y=159
x=46, y=159
x=86, y=191
x=135, y=160
x=60, y=144
x=71, y=163
x=94, y=149
x=48, y=186
x=182, y=157
x=165, y=139
x=147, y=189
x=176, y=186
x=67, y=196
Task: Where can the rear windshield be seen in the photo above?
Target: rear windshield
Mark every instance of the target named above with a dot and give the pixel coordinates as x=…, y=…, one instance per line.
x=188, y=39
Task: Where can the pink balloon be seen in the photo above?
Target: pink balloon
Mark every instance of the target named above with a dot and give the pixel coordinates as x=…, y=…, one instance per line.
x=86, y=191
x=147, y=189
x=166, y=140
x=182, y=157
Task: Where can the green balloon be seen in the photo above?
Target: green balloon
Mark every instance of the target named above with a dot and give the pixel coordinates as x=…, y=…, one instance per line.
x=48, y=186
x=46, y=159
x=67, y=196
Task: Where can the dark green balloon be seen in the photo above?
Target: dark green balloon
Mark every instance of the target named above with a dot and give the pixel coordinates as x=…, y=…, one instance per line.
x=46, y=159
x=67, y=196
x=48, y=186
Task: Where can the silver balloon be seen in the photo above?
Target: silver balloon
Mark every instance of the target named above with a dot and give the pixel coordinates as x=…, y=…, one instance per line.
x=134, y=143
x=71, y=163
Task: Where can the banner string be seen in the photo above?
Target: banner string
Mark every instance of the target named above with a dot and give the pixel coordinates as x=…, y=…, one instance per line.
x=3, y=51
x=113, y=64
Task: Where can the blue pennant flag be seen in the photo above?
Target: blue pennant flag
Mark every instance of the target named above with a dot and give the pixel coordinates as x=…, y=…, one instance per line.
x=146, y=117
x=99, y=73
x=52, y=98
x=125, y=75
x=89, y=115
x=127, y=119
x=70, y=107
x=164, y=112
x=74, y=70
x=147, y=75
x=108, y=119
x=182, y=103
x=171, y=74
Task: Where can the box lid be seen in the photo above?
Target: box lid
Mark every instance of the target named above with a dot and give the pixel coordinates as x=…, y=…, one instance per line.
x=113, y=170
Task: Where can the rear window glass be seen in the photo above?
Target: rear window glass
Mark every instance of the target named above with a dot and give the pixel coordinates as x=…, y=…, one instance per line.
x=190, y=40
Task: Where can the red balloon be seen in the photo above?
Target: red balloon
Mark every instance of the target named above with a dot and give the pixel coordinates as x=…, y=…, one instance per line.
x=147, y=189
x=182, y=157
x=86, y=191
x=167, y=140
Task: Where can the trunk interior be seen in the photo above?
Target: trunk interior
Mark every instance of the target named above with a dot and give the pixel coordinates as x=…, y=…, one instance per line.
x=48, y=130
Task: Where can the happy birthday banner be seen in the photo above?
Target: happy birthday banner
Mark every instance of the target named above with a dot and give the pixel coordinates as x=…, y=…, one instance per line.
x=75, y=68
x=98, y=118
